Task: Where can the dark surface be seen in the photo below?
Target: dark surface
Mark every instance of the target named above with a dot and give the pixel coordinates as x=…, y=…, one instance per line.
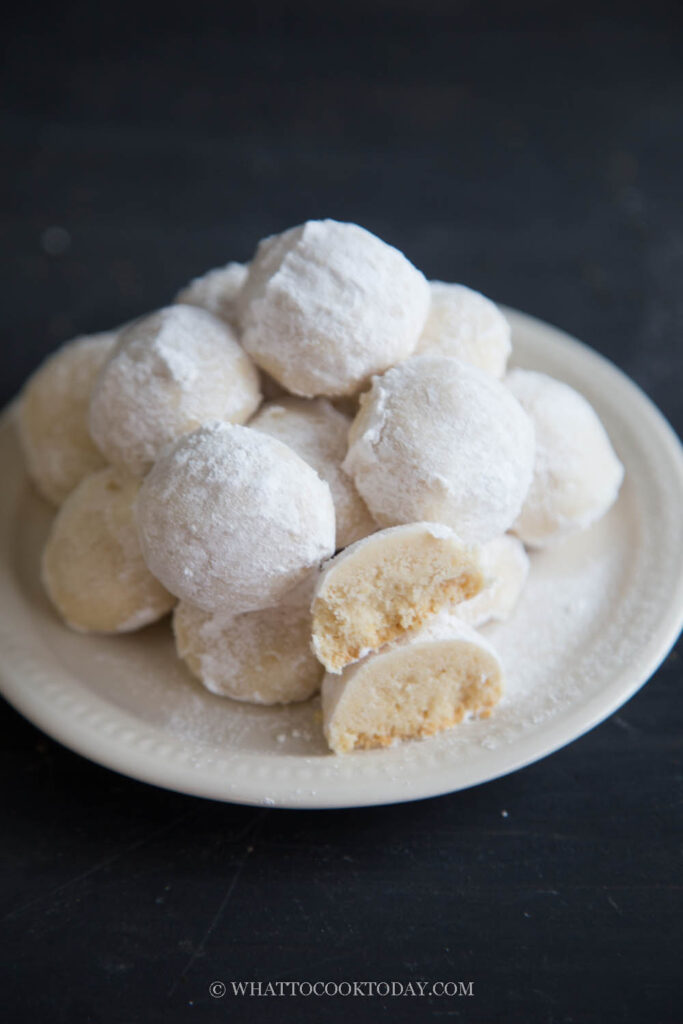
x=533, y=151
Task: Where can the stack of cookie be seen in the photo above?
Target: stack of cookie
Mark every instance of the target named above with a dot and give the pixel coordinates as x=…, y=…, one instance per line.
x=351, y=532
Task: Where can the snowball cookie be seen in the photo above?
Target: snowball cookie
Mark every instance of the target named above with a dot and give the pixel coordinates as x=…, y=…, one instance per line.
x=261, y=657
x=441, y=441
x=93, y=569
x=577, y=474
x=232, y=519
x=387, y=584
x=412, y=688
x=465, y=324
x=53, y=416
x=325, y=305
x=506, y=566
x=216, y=291
x=169, y=373
x=318, y=432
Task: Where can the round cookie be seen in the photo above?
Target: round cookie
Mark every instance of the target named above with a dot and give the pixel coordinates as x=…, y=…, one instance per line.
x=216, y=291
x=231, y=519
x=465, y=324
x=53, y=416
x=169, y=373
x=260, y=657
x=412, y=688
x=327, y=304
x=437, y=440
x=92, y=567
x=386, y=585
x=577, y=474
x=505, y=565
x=317, y=432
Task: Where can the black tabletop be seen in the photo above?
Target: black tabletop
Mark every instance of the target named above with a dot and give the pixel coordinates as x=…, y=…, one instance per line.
x=531, y=150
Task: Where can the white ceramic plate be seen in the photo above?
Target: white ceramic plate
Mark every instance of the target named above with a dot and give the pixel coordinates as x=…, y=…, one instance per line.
x=597, y=617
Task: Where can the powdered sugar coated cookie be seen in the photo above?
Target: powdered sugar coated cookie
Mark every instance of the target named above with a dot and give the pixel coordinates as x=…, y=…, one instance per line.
x=216, y=291
x=386, y=585
x=414, y=687
x=440, y=441
x=53, y=416
x=169, y=373
x=231, y=519
x=465, y=324
x=577, y=474
x=505, y=565
x=261, y=657
x=93, y=569
x=318, y=433
x=327, y=304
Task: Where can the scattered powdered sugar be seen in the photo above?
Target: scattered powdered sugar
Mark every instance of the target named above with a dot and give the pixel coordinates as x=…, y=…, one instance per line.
x=551, y=645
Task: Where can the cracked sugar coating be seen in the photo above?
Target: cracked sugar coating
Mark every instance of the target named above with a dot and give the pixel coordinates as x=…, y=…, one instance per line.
x=53, y=416
x=505, y=564
x=418, y=686
x=326, y=305
x=318, y=432
x=216, y=291
x=169, y=373
x=465, y=324
x=386, y=585
x=92, y=568
x=440, y=441
x=260, y=657
x=577, y=474
x=232, y=519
